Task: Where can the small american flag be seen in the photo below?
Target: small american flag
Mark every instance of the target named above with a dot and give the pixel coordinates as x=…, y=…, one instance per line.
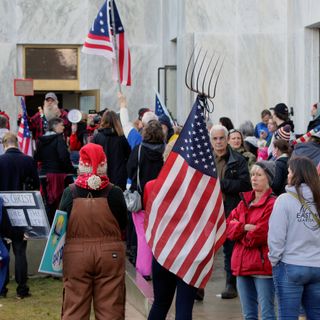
x=186, y=224
x=160, y=108
x=99, y=42
x=24, y=135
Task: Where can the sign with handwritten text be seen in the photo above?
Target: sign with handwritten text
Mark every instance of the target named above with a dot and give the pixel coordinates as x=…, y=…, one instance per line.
x=25, y=209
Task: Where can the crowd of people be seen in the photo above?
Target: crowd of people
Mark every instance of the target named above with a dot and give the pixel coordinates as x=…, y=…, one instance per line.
x=271, y=195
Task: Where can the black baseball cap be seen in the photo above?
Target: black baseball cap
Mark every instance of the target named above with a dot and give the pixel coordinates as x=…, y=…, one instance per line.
x=281, y=108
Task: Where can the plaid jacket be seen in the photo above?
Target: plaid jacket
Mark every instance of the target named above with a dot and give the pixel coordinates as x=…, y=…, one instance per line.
x=38, y=125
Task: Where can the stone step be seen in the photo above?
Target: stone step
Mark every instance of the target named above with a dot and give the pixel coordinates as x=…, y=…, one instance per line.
x=139, y=291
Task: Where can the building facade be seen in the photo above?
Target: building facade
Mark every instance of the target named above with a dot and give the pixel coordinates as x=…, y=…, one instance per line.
x=271, y=51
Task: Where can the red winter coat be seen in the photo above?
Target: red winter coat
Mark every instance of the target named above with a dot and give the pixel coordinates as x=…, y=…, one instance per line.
x=250, y=252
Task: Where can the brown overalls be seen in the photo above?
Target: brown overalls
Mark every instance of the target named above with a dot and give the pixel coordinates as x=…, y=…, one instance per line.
x=93, y=262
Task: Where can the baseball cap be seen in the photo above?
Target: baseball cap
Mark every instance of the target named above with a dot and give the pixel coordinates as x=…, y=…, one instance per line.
x=281, y=108
x=51, y=95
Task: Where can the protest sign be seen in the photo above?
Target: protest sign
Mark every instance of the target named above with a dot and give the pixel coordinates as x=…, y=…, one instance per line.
x=25, y=210
x=51, y=261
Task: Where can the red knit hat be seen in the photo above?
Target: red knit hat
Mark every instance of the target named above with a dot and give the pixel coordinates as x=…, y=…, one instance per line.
x=93, y=164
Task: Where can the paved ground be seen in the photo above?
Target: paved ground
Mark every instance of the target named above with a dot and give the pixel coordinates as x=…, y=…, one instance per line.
x=213, y=307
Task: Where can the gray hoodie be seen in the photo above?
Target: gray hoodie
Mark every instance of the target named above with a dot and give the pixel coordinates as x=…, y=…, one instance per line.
x=294, y=236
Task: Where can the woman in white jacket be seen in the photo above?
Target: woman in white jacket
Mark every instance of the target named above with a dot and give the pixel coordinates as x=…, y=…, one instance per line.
x=294, y=242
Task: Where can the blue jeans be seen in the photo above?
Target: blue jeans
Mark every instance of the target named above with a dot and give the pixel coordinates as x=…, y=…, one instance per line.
x=295, y=285
x=165, y=284
x=254, y=291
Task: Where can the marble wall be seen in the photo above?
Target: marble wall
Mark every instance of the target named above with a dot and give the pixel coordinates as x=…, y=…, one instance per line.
x=271, y=49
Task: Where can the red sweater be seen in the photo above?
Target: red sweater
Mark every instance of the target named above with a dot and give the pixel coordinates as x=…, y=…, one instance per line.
x=250, y=252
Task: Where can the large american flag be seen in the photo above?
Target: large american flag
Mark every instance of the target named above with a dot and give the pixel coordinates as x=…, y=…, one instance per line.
x=24, y=135
x=161, y=109
x=100, y=42
x=186, y=222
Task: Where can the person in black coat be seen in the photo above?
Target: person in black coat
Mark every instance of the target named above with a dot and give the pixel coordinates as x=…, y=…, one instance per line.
x=52, y=151
x=234, y=178
x=56, y=169
x=315, y=113
x=18, y=172
x=151, y=156
x=115, y=145
x=282, y=151
x=150, y=164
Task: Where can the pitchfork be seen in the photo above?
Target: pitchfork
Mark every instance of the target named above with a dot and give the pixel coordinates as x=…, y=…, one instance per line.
x=208, y=71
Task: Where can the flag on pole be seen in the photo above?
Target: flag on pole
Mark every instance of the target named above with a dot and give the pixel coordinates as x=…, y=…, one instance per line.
x=99, y=41
x=161, y=109
x=315, y=132
x=24, y=135
x=186, y=222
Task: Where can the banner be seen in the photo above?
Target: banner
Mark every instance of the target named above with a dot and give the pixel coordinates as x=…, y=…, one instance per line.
x=51, y=261
x=25, y=209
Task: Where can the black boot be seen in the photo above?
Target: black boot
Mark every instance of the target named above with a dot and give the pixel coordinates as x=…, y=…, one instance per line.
x=231, y=289
x=199, y=295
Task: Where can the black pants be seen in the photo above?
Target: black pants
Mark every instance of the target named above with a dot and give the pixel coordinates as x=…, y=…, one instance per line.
x=20, y=268
x=227, y=250
x=165, y=284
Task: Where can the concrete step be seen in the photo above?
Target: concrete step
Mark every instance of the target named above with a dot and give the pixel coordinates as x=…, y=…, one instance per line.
x=139, y=291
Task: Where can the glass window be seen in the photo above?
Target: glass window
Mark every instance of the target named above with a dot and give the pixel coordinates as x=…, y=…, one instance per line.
x=52, y=63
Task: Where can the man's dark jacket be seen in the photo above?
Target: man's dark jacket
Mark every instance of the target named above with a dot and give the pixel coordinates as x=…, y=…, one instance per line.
x=236, y=179
x=17, y=172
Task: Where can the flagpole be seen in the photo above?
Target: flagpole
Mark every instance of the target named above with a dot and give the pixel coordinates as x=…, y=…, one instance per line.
x=114, y=40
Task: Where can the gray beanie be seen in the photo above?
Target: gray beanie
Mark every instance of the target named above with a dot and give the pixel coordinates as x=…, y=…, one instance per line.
x=269, y=168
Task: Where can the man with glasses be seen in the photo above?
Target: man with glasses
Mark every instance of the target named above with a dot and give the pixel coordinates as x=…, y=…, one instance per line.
x=234, y=178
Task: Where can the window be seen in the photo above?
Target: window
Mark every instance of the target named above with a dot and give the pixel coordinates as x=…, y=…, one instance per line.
x=52, y=67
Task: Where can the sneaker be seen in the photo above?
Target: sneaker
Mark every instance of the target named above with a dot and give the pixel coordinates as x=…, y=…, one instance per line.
x=22, y=296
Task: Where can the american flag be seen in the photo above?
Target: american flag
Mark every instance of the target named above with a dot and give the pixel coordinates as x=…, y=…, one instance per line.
x=315, y=132
x=24, y=135
x=186, y=222
x=100, y=42
x=161, y=109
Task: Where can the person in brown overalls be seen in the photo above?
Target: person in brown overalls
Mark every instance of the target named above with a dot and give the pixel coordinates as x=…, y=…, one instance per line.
x=94, y=254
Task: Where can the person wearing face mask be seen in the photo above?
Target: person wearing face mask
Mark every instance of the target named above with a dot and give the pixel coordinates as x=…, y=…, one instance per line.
x=247, y=226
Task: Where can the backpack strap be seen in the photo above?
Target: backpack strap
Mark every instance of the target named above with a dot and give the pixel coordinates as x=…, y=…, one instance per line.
x=105, y=192
x=74, y=191
x=306, y=206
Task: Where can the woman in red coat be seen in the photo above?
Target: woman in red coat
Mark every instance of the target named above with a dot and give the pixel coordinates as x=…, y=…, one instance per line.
x=247, y=225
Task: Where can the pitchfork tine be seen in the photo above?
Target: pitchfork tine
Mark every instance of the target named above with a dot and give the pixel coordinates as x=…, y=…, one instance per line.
x=199, y=73
x=186, y=76
x=215, y=85
x=205, y=75
x=194, y=68
x=213, y=72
